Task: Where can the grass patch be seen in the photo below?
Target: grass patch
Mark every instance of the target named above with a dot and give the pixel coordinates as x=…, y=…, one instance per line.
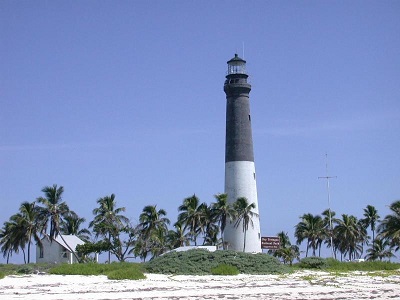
x=224, y=269
x=14, y=269
x=321, y=280
x=113, y=270
x=131, y=274
x=385, y=273
x=338, y=274
x=336, y=266
x=201, y=262
x=308, y=278
x=368, y=266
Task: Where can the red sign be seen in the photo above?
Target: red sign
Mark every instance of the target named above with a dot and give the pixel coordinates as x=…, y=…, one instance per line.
x=270, y=242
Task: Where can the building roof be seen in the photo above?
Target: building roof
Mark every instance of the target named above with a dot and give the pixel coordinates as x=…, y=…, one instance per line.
x=236, y=59
x=71, y=240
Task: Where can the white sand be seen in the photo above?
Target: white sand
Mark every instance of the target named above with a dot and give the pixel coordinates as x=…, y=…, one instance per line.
x=300, y=285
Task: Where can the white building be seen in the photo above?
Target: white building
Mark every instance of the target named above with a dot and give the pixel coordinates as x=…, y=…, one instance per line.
x=240, y=171
x=57, y=251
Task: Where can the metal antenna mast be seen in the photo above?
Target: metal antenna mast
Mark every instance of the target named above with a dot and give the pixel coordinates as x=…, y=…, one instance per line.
x=327, y=177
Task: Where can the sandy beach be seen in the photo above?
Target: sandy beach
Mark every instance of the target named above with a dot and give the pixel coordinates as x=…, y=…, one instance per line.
x=299, y=285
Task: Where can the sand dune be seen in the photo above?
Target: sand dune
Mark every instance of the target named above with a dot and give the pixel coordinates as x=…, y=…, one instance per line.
x=300, y=285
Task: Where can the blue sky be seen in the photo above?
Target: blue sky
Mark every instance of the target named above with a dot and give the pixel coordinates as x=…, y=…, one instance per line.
x=126, y=97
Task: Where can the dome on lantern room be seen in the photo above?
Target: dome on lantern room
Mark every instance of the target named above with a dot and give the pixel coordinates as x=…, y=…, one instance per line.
x=236, y=65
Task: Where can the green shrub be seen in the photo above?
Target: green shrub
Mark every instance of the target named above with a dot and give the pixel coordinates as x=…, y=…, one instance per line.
x=26, y=269
x=331, y=262
x=313, y=263
x=131, y=273
x=2, y=275
x=201, y=261
x=224, y=269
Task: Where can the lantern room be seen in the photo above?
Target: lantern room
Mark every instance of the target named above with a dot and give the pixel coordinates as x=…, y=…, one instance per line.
x=236, y=66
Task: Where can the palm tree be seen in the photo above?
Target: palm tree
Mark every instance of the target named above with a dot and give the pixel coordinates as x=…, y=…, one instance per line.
x=207, y=224
x=223, y=212
x=153, y=229
x=352, y=236
x=28, y=222
x=54, y=209
x=108, y=221
x=245, y=215
x=371, y=219
x=310, y=228
x=71, y=226
x=389, y=228
x=287, y=252
x=284, y=239
x=53, y=212
x=380, y=249
x=10, y=239
x=178, y=237
x=152, y=219
x=190, y=216
x=159, y=242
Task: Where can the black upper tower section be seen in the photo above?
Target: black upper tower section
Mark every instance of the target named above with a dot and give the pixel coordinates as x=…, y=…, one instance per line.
x=239, y=142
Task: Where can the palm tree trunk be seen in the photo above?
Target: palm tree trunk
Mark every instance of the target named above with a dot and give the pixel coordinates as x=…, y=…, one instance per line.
x=194, y=239
x=109, y=251
x=222, y=239
x=373, y=238
x=23, y=251
x=244, y=241
x=29, y=251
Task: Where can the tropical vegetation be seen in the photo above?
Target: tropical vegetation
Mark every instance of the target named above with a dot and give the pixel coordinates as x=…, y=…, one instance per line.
x=198, y=223
x=203, y=262
x=347, y=237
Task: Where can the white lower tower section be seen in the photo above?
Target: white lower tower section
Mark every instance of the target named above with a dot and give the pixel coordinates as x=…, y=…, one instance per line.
x=240, y=181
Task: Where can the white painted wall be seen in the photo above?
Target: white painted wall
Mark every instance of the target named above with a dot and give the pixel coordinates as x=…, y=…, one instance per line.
x=240, y=181
x=53, y=252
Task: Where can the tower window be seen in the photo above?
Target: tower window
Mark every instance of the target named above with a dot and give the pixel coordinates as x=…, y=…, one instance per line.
x=254, y=175
x=249, y=118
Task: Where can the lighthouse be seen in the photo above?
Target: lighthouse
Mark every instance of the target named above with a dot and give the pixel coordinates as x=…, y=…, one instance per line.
x=240, y=173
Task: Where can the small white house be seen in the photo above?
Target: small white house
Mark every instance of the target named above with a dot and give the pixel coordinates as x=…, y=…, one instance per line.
x=57, y=251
